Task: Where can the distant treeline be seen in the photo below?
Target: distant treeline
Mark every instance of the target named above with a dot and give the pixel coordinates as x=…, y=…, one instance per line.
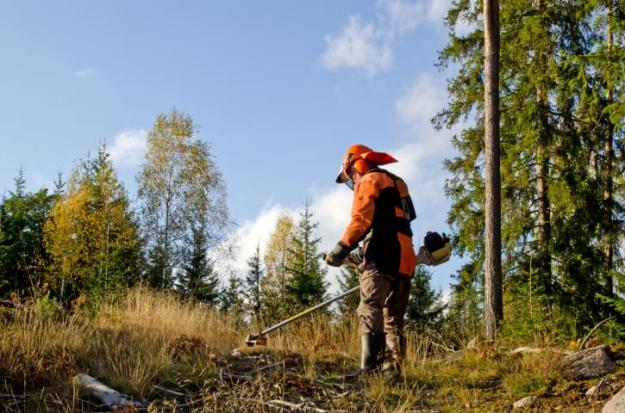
x=82, y=240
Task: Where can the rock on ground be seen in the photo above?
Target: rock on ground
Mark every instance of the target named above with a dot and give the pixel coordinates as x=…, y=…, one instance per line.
x=588, y=364
x=601, y=389
x=616, y=403
x=525, y=402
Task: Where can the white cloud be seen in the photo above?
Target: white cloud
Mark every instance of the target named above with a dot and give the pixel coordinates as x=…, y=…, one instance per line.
x=249, y=235
x=437, y=10
x=404, y=16
x=331, y=209
x=128, y=147
x=90, y=71
x=359, y=45
x=464, y=28
x=368, y=46
x=425, y=97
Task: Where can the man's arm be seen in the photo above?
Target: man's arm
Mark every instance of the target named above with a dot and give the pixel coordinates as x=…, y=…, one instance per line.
x=363, y=208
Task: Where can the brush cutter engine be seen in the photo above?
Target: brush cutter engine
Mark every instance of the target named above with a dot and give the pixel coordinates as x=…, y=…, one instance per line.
x=437, y=248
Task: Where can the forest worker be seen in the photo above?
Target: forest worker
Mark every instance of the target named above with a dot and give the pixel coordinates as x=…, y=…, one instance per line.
x=380, y=217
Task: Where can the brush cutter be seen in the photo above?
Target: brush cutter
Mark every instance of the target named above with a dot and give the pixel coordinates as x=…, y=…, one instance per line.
x=260, y=339
x=436, y=250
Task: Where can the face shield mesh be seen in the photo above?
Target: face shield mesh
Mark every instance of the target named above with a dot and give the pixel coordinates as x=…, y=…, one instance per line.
x=344, y=178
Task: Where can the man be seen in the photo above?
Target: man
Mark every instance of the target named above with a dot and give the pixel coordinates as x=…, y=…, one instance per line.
x=380, y=217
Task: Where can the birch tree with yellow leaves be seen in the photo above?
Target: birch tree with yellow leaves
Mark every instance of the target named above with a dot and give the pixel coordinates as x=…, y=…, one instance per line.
x=183, y=207
x=91, y=235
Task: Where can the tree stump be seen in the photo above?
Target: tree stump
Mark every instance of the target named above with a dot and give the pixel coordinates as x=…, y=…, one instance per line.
x=588, y=364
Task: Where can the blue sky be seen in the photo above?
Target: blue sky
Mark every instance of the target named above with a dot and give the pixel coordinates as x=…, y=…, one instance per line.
x=278, y=88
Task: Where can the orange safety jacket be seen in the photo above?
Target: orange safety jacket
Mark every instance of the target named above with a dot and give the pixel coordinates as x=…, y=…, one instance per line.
x=381, y=213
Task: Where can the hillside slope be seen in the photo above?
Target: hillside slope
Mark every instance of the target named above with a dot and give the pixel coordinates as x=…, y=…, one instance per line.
x=176, y=356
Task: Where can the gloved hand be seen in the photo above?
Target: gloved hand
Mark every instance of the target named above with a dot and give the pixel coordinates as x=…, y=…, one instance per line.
x=355, y=259
x=336, y=257
x=424, y=256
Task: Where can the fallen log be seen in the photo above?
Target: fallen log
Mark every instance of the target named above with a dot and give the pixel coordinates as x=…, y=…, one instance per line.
x=269, y=367
x=524, y=350
x=588, y=364
x=108, y=396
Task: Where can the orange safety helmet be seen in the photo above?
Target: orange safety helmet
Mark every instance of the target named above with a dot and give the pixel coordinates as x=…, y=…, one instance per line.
x=361, y=158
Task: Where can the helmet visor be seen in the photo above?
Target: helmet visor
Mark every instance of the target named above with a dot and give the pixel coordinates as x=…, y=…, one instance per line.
x=342, y=177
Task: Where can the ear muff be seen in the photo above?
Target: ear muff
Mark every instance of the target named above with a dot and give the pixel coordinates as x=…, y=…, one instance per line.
x=378, y=158
x=361, y=158
x=360, y=166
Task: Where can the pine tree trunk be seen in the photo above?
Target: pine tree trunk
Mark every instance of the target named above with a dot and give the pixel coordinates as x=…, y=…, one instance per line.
x=544, y=222
x=543, y=235
x=493, y=303
x=608, y=248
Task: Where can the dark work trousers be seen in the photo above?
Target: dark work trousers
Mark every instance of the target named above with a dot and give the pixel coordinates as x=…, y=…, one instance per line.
x=383, y=303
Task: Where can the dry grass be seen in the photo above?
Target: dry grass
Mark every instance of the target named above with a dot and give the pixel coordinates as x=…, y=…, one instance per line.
x=147, y=338
x=150, y=339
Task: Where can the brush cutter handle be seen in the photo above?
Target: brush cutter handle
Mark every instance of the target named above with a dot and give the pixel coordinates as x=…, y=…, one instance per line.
x=308, y=311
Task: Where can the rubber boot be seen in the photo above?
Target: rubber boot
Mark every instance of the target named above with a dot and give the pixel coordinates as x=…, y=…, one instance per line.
x=372, y=351
x=395, y=354
x=372, y=354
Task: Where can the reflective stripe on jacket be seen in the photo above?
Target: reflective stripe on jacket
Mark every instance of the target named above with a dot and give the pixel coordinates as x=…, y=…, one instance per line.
x=381, y=212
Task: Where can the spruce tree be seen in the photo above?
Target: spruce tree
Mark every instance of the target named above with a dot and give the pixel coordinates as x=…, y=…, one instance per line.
x=198, y=280
x=425, y=307
x=231, y=298
x=59, y=185
x=606, y=74
x=307, y=285
x=23, y=257
x=551, y=189
x=348, y=279
x=252, y=283
x=120, y=261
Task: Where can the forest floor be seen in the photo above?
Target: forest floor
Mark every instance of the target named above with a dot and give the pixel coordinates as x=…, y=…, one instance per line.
x=285, y=381
x=176, y=357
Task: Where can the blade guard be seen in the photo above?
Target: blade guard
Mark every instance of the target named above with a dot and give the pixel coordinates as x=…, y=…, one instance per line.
x=256, y=340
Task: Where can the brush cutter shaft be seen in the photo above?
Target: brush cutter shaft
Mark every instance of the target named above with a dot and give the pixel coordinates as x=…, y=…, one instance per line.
x=305, y=312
